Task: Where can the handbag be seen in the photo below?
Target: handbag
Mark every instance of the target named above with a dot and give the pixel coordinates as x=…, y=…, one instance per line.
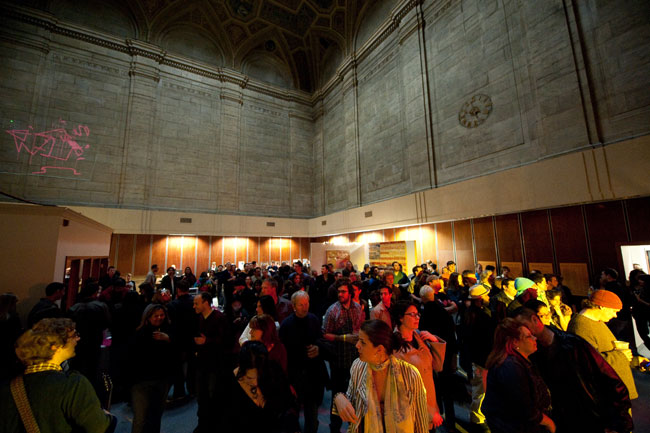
x=438, y=350
x=22, y=403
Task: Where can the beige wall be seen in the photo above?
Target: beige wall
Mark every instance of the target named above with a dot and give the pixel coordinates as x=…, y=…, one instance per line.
x=35, y=245
x=82, y=237
x=602, y=173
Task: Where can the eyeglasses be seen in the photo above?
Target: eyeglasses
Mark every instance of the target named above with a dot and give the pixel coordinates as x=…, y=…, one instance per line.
x=414, y=315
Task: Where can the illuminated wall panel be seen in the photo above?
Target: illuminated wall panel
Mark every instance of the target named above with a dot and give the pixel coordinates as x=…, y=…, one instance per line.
x=158, y=248
x=229, y=249
x=265, y=250
x=202, y=255
x=189, y=253
x=254, y=249
x=174, y=251
x=217, y=250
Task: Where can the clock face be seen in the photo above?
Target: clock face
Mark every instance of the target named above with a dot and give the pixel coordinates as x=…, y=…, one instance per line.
x=475, y=111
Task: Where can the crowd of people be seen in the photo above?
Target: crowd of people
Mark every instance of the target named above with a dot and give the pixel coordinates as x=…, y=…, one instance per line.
x=259, y=345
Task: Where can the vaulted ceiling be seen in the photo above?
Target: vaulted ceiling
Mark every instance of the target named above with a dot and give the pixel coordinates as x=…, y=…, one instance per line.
x=299, y=36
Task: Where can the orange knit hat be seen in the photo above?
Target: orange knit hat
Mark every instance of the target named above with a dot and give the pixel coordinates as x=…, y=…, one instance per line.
x=605, y=298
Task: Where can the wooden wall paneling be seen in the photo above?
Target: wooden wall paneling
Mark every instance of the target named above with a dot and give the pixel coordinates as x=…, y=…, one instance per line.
x=294, y=247
x=73, y=283
x=158, y=244
x=189, y=253
x=464, y=247
x=537, y=237
x=275, y=249
x=569, y=235
x=124, y=262
x=284, y=249
x=484, y=240
x=638, y=213
x=113, y=250
x=606, y=227
x=305, y=248
x=142, y=250
x=445, y=244
x=216, y=250
x=265, y=248
x=95, y=268
x=402, y=234
x=356, y=237
x=242, y=249
x=389, y=235
x=229, y=250
x=86, y=269
x=507, y=233
x=254, y=249
x=202, y=255
x=428, y=240
x=174, y=251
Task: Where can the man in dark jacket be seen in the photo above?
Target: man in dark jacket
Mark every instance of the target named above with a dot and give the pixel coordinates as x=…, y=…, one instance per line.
x=183, y=318
x=47, y=307
x=301, y=335
x=588, y=395
x=170, y=281
x=213, y=346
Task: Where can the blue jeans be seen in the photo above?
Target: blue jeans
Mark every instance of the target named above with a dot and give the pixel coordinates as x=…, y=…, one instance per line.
x=148, y=401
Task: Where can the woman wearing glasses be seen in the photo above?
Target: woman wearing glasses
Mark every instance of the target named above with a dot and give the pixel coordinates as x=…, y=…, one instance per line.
x=414, y=350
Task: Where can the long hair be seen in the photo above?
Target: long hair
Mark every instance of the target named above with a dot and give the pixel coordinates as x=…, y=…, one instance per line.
x=268, y=306
x=149, y=311
x=505, y=340
x=266, y=324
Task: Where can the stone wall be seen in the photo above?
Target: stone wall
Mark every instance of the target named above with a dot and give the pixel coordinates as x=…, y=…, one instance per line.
x=101, y=121
x=441, y=91
x=545, y=78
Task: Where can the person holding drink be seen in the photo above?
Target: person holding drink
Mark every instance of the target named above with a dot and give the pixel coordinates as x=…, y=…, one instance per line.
x=590, y=324
x=302, y=337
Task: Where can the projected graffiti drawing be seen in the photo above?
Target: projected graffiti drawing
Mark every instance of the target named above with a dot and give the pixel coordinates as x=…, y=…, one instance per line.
x=59, y=149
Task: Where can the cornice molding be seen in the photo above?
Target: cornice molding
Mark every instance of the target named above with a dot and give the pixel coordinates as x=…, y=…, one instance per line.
x=139, y=48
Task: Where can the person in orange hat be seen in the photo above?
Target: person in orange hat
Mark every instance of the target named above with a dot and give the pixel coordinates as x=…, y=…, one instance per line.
x=601, y=307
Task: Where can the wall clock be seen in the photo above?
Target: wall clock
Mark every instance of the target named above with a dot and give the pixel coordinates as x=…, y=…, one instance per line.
x=475, y=111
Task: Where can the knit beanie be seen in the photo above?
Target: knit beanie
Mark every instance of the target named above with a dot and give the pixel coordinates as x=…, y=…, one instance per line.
x=605, y=298
x=522, y=284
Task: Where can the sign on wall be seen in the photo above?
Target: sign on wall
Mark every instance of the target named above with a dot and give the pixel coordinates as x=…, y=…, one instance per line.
x=338, y=258
x=382, y=254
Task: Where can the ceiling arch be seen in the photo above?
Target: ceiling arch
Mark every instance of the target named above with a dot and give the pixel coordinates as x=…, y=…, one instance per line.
x=305, y=32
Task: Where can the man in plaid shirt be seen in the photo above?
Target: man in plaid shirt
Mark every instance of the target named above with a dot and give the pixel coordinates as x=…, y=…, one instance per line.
x=341, y=327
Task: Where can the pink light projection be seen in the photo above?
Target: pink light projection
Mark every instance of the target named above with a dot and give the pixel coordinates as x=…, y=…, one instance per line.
x=59, y=149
